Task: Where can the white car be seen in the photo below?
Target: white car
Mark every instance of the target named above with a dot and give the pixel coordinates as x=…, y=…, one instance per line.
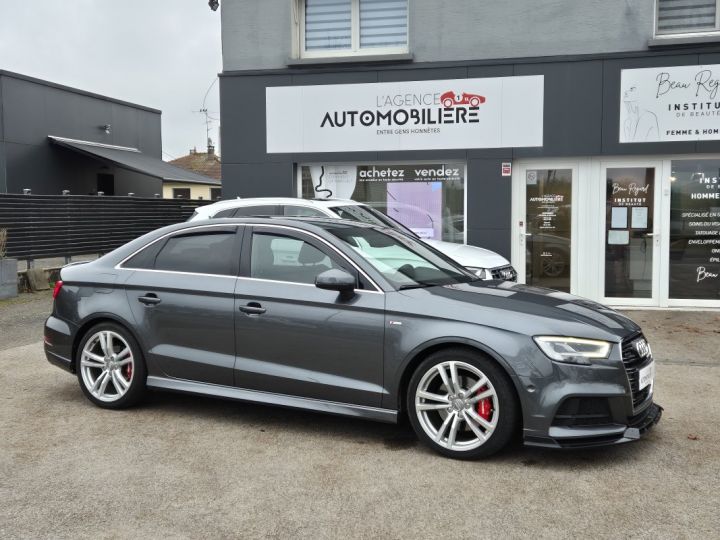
x=484, y=263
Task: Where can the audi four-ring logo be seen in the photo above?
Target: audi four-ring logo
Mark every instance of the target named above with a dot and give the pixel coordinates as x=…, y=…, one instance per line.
x=642, y=348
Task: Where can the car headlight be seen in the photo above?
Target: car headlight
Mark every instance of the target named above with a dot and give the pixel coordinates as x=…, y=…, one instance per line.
x=573, y=350
x=482, y=273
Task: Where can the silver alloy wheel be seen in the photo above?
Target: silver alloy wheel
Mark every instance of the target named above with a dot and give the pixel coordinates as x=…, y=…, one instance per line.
x=107, y=366
x=445, y=403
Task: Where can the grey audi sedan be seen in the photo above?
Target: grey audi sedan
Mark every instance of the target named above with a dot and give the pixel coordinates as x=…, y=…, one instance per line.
x=350, y=319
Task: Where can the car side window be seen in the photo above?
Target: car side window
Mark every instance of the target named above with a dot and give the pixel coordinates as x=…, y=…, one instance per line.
x=302, y=211
x=230, y=212
x=261, y=210
x=284, y=258
x=205, y=253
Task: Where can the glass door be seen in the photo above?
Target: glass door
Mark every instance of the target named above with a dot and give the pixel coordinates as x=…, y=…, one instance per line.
x=631, y=240
x=544, y=225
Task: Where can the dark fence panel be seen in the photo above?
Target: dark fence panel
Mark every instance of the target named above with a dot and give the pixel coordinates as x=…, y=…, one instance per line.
x=43, y=226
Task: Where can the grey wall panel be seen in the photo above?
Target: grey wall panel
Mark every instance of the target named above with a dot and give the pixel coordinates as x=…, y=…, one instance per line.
x=271, y=179
x=3, y=178
x=424, y=73
x=242, y=102
x=340, y=77
x=258, y=35
x=424, y=155
x=334, y=157
x=498, y=70
x=572, y=110
x=612, y=102
x=497, y=240
x=139, y=184
x=489, y=195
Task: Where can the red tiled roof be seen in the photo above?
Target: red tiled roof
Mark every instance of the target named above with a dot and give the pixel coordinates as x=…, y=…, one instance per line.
x=201, y=163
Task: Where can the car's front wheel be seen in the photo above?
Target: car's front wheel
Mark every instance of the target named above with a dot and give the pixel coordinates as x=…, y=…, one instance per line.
x=110, y=367
x=462, y=404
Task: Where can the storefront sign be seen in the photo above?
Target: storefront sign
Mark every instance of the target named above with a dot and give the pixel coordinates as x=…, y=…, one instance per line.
x=418, y=115
x=670, y=104
x=506, y=169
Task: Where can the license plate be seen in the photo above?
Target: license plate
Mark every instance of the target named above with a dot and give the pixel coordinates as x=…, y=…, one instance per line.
x=647, y=375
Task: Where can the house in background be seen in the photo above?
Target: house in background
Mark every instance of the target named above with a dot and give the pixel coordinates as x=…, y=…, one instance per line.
x=54, y=138
x=206, y=164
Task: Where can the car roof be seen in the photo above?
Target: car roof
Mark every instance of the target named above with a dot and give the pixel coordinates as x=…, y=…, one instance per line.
x=252, y=201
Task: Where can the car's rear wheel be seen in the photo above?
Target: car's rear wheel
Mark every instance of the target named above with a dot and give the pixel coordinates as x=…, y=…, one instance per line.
x=462, y=404
x=474, y=102
x=110, y=367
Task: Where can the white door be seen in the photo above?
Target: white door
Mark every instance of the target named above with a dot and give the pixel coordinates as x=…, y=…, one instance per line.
x=629, y=236
x=544, y=223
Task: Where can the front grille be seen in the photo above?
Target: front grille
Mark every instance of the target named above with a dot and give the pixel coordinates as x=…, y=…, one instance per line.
x=505, y=273
x=633, y=362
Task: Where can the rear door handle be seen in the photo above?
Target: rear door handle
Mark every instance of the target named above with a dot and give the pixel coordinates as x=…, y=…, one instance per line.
x=253, y=308
x=150, y=299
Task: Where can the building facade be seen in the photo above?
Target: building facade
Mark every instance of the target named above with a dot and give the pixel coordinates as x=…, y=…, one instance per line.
x=205, y=163
x=582, y=140
x=54, y=138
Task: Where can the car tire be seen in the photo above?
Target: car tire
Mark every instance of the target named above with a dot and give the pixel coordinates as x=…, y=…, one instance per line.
x=110, y=367
x=474, y=102
x=481, y=427
x=447, y=103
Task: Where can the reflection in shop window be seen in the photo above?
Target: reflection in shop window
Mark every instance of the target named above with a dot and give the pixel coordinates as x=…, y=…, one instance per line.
x=428, y=198
x=695, y=229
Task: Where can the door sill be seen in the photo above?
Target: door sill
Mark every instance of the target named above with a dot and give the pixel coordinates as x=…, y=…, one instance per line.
x=282, y=400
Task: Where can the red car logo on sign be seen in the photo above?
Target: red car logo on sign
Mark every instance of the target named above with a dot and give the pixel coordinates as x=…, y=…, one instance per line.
x=451, y=99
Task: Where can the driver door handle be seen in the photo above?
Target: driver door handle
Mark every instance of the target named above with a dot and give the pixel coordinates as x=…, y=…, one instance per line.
x=252, y=308
x=150, y=299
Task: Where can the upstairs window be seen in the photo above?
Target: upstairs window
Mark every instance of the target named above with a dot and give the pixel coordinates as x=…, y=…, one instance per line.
x=687, y=17
x=348, y=27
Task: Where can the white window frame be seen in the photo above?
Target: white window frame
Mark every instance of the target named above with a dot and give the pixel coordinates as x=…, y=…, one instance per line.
x=354, y=50
x=679, y=35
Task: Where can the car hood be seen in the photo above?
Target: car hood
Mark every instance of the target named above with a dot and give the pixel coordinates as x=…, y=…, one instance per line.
x=473, y=256
x=519, y=308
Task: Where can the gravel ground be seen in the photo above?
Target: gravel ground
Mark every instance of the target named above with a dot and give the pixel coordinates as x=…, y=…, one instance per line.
x=186, y=467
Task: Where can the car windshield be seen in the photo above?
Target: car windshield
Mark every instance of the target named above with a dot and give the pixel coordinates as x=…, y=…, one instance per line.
x=367, y=214
x=404, y=261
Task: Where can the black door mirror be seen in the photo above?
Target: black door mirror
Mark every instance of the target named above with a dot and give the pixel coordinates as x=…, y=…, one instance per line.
x=336, y=280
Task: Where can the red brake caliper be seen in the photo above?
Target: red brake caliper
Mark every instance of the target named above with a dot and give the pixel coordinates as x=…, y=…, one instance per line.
x=484, y=406
x=128, y=372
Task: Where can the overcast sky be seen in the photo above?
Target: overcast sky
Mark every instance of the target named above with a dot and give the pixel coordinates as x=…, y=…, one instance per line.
x=159, y=53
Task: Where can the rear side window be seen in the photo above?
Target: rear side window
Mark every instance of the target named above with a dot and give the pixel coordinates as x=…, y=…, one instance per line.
x=230, y=212
x=262, y=210
x=204, y=253
x=302, y=211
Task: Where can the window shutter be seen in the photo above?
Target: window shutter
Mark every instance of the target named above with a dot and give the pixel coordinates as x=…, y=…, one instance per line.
x=686, y=16
x=383, y=23
x=328, y=24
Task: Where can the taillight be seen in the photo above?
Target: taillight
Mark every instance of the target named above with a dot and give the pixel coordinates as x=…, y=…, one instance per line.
x=56, y=290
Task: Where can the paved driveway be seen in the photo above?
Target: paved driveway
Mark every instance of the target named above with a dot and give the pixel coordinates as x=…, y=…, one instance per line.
x=182, y=466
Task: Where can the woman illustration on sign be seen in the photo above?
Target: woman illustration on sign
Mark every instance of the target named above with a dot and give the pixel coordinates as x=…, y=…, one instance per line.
x=640, y=125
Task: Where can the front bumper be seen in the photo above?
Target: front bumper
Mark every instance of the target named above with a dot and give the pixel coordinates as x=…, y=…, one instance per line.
x=578, y=406
x=589, y=437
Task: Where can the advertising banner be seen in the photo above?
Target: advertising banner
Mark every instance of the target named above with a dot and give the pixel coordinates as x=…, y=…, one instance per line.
x=670, y=104
x=418, y=115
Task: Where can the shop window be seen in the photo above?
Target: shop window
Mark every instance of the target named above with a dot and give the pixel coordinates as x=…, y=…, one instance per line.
x=215, y=193
x=346, y=27
x=695, y=229
x=687, y=16
x=428, y=198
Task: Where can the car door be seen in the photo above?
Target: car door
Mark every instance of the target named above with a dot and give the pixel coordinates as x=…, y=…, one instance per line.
x=182, y=297
x=295, y=339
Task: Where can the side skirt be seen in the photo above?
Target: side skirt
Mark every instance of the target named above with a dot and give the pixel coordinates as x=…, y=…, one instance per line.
x=255, y=396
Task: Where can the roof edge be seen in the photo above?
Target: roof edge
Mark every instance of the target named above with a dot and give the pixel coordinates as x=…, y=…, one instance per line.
x=58, y=86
